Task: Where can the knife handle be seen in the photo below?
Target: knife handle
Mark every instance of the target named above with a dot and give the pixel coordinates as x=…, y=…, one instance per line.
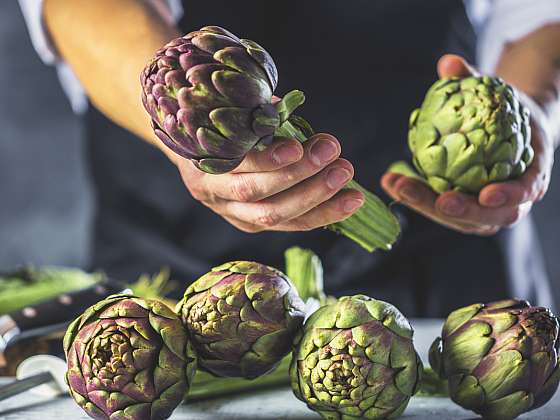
x=53, y=312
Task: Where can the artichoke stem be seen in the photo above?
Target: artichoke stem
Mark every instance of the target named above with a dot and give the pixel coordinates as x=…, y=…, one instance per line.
x=304, y=269
x=373, y=225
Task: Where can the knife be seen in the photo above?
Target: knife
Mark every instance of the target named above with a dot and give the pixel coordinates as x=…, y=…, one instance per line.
x=51, y=316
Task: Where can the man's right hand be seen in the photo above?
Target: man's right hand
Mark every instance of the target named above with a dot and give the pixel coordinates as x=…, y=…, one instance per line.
x=287, y=187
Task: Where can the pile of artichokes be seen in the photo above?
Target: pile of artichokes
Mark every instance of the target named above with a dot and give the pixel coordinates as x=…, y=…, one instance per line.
x=209, y=96
x=135, y=358
x=468, y=133
x=353, y=357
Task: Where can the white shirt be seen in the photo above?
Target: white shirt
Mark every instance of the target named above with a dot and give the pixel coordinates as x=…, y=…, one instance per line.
x=496, y=22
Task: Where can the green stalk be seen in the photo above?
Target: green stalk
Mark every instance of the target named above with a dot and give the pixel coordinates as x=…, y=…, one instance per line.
x=305, y=270
x=432, y=385
x=29, y=285
x=373, y=225
x=207, y=386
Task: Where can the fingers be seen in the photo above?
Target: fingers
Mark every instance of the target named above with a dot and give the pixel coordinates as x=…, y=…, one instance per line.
x=299, y=196
x=459, y=207
x=452, y=209
x=341, y=206
x=282, y=152
x=530, y=187
x=451, y=65
x=296, y=201
x=410, y=192
x=318, y=152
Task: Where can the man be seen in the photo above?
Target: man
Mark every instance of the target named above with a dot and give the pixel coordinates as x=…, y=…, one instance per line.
x=364, y=66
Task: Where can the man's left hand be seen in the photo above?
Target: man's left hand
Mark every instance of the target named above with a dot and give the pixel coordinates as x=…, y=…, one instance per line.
x=497, y=205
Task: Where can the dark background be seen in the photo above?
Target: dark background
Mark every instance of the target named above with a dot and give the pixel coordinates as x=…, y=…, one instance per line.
x=45, y=197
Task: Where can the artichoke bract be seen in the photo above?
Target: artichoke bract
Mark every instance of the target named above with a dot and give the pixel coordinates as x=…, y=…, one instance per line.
x=209, y=96
x=242, y=317
x=128, y=358
x=501, y=359
x=356, y=359
x=469, y=132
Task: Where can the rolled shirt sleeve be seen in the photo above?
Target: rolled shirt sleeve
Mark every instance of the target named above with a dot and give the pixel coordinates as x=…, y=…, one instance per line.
x=32, y=11
x=499, y=22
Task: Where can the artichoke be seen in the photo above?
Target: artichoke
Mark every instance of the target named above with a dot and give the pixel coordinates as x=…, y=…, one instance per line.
x=469, y=132
x=242, y=317
x=128, y=358
x=501, y=359
x=356, y=359
x=209, y=95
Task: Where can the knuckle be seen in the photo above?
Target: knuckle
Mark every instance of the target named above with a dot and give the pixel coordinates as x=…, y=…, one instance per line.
x=491, y=231
x=303, y=225
x=198, y=193
x=244, y=189
x=513, y=217
x=267, y=216
x=248, y=228
x=242, y=226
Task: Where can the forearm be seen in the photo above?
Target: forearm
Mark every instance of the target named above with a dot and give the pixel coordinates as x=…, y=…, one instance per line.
x=107, y=45
x=532, y=64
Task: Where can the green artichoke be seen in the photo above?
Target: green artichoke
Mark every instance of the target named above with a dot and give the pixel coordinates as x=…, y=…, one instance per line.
x=242, y=317
x=468, y=133
x=501, y=359
x=355, y=359
x=128, y=358
x=209, y=95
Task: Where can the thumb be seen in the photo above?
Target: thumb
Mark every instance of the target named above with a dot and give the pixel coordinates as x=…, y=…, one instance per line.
x=451, y=65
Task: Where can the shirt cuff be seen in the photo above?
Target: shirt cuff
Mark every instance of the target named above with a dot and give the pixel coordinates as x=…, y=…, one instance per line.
x=32, y=11
x=508, y=21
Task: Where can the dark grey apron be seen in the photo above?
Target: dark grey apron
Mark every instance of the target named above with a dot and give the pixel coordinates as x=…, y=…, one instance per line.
x=364, y=65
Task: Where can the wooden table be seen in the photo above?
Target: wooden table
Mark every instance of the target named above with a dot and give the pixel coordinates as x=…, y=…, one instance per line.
x=267, y=404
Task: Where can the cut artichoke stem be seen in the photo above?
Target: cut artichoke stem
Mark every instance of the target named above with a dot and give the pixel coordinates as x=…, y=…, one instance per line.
x=304, y=269
x=206, y=385
x=373, y=225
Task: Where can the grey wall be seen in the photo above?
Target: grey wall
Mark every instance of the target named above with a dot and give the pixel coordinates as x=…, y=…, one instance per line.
x=44, y=196
x=45, y=199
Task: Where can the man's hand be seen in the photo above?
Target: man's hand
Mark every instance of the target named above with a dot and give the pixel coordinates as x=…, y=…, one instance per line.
x=498, y=204
x=287, y=187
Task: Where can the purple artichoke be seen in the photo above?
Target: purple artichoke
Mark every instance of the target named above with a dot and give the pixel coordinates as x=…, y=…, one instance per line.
x=501, y=358
x=242, y=317
x=209, y=96
x=128, y=358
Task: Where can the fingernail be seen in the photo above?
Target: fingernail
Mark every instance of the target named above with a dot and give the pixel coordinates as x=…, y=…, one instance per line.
x=352, y=204
x=285, y=153
x=496, y=199
x=410, y=194
x=337, y=177
x=323, y=151
x=453, y=207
